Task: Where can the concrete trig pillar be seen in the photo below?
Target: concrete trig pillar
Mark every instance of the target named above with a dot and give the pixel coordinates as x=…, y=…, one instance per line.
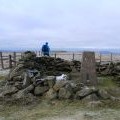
x=88, y=69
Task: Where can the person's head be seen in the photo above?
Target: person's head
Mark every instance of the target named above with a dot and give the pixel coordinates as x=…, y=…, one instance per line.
x=46, y=43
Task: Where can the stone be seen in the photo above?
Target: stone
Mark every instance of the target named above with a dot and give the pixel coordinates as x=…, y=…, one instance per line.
x=50, y=80
x=65, y=93
x=59, y=84
x=28, y=55
x=40, y=90
x=94, y=104
x=75, y=87
x=9, y=90
x=86, y=91
x=26, y=81
x=23, y=92
x=114, y=92
x=51, y=94
x=29, y=88
x=18, y=70
x=19, y=85
x=23, y=98
x=2, y=83
x=17, y=78
x=88, y=70
x=91, y=97
x=104, y=94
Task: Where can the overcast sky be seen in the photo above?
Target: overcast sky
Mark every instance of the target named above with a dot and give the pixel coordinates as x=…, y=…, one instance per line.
x=62, y=23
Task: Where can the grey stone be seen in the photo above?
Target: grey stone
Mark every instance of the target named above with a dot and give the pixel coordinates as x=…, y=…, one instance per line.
x=94, y=104
x=91, y=97
x=51, y=94
x=24, y=92
x=40, y=90
x=85, y=92
x=50, y=80
x=9, y=90
x=64, y=93
x=59, y=84
x=17, y=78
x=2, y=83
x=23, y=97
x=26, y=81
x=88, y=69
x=104, y=94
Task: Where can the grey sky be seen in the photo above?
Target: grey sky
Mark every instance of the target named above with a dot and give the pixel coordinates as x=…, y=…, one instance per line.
x=63, y=23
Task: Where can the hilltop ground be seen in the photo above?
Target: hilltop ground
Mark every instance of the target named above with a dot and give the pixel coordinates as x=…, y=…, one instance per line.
x=61, y=110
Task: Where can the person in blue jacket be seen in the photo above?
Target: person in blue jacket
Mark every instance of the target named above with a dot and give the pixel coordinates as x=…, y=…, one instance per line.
x=46, y=49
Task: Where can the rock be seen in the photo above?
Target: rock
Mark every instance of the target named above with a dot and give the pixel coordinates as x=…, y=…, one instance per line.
x=40, y=90
x=85, y=92
x=29, y=88
x=91, y=97
x=104, y=94
x=9, y=90
x=95, y=104
x=50, y=80
x=2, y=83
x=64, y=66
x=76, y=87
x=28, y=55
x=51, y=94
x=19, y=85
x=17, y=71
x=26, y=81
x=24, y=92
x=59, y=84
x=23, y=98
x=64, y=93
x=17, y=78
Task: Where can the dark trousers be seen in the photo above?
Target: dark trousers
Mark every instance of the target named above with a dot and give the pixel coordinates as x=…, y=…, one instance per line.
x=46, y=53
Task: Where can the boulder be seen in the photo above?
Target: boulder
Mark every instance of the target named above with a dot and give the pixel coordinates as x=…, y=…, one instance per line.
x=91, y=97
x=94, y=104
x=28, y=55
x=50, y=81
x=2, y=83
x=17, y=71
x=9, y=90
x=86, y=91
x=76, y=87
x=51, y=94
x=104, y=94
x=19, y=85
x=23, y=98
x=17, y=78
x=40, y=90
x=23, y=92
x=26, y=81
x=59, y=84
x=65, y=93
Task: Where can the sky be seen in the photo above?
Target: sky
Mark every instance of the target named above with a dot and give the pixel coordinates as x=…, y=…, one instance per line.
x=62, y=23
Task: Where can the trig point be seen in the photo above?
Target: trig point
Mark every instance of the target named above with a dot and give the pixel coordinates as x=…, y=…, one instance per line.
x=88, y=69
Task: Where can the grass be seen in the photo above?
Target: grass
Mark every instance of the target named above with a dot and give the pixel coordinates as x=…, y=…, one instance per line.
x=41, y=110
x=106, y=82
x=46, y=109
x=2, y=77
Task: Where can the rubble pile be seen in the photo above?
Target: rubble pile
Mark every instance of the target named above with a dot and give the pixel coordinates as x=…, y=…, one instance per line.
x=111, y=69
x=46, y=77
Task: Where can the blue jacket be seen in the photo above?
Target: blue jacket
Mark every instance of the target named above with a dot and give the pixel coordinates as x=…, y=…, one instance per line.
x=45, y=48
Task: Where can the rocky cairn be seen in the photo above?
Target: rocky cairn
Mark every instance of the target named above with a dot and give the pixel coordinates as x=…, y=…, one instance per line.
x=47, y=77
